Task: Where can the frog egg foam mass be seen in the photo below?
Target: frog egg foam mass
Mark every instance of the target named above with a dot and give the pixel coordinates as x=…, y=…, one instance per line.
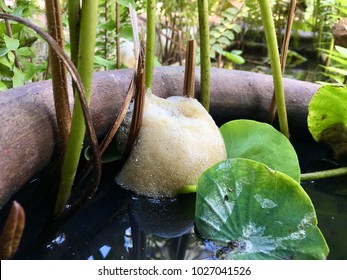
x=178, y=140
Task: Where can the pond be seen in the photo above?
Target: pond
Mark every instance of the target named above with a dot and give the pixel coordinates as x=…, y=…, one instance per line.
x=116, y=224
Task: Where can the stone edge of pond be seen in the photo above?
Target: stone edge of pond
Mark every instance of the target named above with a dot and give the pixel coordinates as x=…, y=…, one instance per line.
x=28, y=127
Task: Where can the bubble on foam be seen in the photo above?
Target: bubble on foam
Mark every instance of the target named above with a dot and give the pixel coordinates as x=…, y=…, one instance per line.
x=178, y=140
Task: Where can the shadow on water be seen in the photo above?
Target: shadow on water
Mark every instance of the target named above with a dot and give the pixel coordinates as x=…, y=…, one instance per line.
x=116, y=224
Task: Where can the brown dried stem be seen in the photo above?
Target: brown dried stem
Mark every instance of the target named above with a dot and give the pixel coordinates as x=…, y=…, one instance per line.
x=140, y=92
x=189, y=72
x=12, y=231
x=59, y=81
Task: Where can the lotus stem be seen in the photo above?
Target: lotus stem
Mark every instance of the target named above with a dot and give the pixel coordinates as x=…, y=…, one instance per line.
x=204, y=53
x=272, y=45
x=312, y=176
x=85, y=68
x=150, y=43
x=74, y=14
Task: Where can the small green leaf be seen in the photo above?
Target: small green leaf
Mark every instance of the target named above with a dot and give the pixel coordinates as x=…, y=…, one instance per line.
x=109, y=64
x=214, y=33
x=109, y=25
x=234, y=57
x=229, y=34
x=338, y=70
x=126, y=33
x=24, y=51
x=223, y=40
x=257, y=213
x=33, y=69
x=126, y=3
x=3, y=87
x=18, y=77
x=11, y=44
x=217, y=48
x=261, y=142
x=235, y=27
x=11, y=57
x=3, y=51
x=4, y=7
x=341, y=50
x=221, y=29
x=4, y=61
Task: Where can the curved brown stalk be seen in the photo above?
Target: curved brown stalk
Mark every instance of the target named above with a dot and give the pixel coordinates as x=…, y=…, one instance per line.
x=140, y=91
x=59, y=81
x=12, y=232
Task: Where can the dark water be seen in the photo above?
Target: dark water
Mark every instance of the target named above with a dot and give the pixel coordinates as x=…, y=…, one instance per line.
x=115, y=224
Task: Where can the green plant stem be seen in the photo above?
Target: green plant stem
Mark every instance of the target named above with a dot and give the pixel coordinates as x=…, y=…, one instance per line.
x=272, y=45
x=74, y=14
x=284, y=53
x=85, y=68
x=342, y=171
x=118, y=37
x=150, y=43
x=204, y=53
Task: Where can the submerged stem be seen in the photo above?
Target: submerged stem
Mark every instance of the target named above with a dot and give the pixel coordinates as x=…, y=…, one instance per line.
x=272, y=45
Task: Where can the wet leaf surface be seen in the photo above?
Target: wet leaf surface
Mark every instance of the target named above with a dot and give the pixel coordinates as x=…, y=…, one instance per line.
x=263, y=143
x=257, y=213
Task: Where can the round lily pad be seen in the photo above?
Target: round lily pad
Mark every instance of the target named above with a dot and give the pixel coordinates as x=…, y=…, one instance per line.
x=327, y=118
x=263, y=143
x=257, y=213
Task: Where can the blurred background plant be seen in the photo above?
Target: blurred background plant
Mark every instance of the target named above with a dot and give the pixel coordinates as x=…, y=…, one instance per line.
x=22, y=54
x=236, y=37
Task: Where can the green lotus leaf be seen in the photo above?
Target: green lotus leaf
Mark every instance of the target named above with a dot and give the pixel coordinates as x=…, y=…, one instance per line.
x=327, y=118
x=261, y=142
x=257, y=213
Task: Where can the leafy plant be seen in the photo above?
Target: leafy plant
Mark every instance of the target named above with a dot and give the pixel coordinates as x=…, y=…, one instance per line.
x=106, y=34
x=336, y=70
x=257, y=213
x=223, y=35
x=19, y=62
